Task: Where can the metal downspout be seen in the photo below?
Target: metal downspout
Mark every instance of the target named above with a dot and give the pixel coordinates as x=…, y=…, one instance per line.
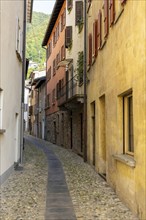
x=85, y=83
x=23, y=84
x=45, y=123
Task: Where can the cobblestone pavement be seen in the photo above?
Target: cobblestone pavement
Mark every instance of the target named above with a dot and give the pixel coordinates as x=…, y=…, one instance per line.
x=23, y=195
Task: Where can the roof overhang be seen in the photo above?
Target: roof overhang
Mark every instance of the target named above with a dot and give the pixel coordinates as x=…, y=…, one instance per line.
x=26, y=70
x=54, y=16
x=29, y=10
x=40, y=82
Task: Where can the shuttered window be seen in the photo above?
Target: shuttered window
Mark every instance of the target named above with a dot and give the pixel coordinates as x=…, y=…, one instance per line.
x=62, y=22
x=90, y=50
x=49, y=74
x=68, y=36
x=99, y=29
x=79, y=12
x=112, y=12
x=48, y=101
x=49, y=49
x=63, y=52
x=64, y=17
x=95, y=42
x=54, y=39
x=54, y=67
x=69, y=4
x=128, y=124
x=53, y=97
x=106, y=18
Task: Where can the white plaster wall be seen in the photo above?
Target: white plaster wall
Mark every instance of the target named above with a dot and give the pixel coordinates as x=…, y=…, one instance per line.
x=77, y=38
x=26, y=98
x=10, y=82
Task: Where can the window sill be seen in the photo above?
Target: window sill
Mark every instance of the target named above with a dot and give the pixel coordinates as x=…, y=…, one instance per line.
x=2, y=131
x=126, y=159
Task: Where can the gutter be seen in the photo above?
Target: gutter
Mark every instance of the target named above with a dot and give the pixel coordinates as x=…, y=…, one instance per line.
x=85, y=82
x=23, y=85
x=45, y=132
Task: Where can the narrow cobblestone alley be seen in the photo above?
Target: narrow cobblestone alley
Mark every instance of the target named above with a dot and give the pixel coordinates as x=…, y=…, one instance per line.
x=80, y=192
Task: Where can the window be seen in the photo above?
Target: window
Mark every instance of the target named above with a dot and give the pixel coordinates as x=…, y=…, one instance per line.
x=49, y=74
x=62, y=22
x=63, y=52
x=54, y=67
x=68, y=36
x=90, y=50
x=112, y=12
x=49, y=49
x=79, y=12
x=106, y=20
x=99, y=35
x=69, y=4
x=54, y=39
x=128, y=124
x=48, y=101
x=95, y=46
x=53, y=97
x=63, y=19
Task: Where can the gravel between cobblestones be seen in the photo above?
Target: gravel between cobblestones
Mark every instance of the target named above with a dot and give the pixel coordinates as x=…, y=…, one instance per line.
x=93, y=199
x=23, y=195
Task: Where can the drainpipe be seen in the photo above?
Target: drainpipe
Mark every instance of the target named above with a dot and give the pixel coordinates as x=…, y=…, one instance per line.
x=23, y=84
x=85, y=82
x=45, y=135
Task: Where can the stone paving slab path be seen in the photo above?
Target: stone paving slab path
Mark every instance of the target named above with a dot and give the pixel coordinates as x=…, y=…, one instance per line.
x=56, y=187
x=74, y=189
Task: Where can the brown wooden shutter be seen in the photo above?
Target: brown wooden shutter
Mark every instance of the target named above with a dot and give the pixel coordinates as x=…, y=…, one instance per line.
x=112, y=12
x=99, y=29
x=106, y=18
x=90, y=50
x=54, y=70
x=50, y=47
x=69, y=4
x=68, y=36
x=61, y=22
x=96, y=38
x=79, y=12
x=64, y=17
x=93, y=38
x=62, y=52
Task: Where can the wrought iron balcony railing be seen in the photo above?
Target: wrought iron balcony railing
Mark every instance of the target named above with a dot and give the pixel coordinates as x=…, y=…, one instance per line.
x=70, y=91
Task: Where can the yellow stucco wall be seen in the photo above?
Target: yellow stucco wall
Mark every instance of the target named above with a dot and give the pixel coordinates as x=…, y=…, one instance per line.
x=120, y=66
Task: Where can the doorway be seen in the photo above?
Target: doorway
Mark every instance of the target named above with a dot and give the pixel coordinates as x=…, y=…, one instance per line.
x=16, y=137
x=102, y=137
x=93, y=132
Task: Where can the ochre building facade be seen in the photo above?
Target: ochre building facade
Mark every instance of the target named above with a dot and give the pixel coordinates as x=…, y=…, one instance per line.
x=116, y=91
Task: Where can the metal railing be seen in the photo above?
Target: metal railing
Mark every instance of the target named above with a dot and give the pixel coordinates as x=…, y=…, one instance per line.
x=69, y=90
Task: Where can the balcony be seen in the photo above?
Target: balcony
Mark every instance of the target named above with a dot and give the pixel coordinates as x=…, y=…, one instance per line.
x=71, y=95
